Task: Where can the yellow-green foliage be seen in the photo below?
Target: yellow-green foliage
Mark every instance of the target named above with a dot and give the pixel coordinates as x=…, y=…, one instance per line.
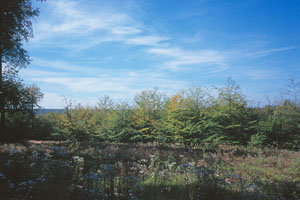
x=190, y=117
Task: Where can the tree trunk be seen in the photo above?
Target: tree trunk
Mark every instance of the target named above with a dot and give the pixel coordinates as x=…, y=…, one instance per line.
x=2, y=122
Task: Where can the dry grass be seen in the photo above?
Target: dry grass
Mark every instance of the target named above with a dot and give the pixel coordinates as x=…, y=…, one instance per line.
x=236, y=168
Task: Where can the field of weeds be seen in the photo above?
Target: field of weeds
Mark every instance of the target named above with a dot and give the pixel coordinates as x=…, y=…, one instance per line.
x=54, y=170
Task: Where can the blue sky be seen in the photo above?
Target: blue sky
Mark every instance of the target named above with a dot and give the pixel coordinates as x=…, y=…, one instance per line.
x=83, y=49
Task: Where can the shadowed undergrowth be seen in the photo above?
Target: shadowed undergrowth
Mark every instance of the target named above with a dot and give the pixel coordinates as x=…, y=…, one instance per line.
x=114, y=171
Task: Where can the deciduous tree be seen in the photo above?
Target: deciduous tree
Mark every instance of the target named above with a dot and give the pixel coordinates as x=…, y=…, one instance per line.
x=15, y=28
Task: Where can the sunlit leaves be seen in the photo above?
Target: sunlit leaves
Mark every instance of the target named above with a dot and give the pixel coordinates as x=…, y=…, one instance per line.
x=196, y=116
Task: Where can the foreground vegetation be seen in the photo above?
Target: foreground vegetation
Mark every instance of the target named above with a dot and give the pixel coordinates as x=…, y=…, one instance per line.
x=114, y=171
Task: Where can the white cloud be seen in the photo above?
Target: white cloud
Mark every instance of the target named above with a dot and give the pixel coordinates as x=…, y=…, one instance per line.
x=267, y=52
x=78, y=27
x=88, y=85
x=70, y=17
x=125, y=30
x=259, y=74
x=52, y=100
x=64, y=66
x=151, y=40
x=37, y=73
x=122, y=86
x=179, y=59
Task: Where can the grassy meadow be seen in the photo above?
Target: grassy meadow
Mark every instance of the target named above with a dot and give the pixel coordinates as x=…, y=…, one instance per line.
x=60, y=170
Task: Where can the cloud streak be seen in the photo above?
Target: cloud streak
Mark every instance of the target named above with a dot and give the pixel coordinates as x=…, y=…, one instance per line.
x=179, y=59
x=63, y=66
x=125, y=82
x=91, y=28
x=267, y=52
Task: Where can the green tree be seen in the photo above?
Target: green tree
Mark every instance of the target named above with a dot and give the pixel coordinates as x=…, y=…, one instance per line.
x=74, y=123
x=15, y=28
x=176, y=119
x=100, y=120
x=148, y=111
x=188, y=120
x=122, y=124
x=33, y=96
x=20, y=103
x=279, y=123
x=232, y=113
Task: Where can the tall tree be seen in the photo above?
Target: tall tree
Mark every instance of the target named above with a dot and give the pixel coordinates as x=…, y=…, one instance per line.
x=15, y=28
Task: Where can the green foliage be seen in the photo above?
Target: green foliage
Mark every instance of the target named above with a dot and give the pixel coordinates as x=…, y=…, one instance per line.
x=281, y=127
x=122, y=124
x=257, y=140
x=237, y=121
x=47, y=127
x=148, y=113
x=20, y=104
x=17, y=101
x=15, y=28
x=75, y=123
x=280, y=122
x=214, y=140
x=191, y=117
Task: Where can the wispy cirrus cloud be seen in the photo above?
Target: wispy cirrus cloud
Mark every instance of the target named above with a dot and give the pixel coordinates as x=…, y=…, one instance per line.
x=69, y=17
x=109, y=83
x=119, y=85
x=210, y=60
x=260, y=74
x=149, y=40
x=94, y=83
x=77, y=27
x=90, y=28
x=125, y=30
x=179, y=59
x=63, y=66
x=266, y=52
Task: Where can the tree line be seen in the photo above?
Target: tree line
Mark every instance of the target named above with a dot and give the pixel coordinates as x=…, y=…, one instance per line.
x=190, y=117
